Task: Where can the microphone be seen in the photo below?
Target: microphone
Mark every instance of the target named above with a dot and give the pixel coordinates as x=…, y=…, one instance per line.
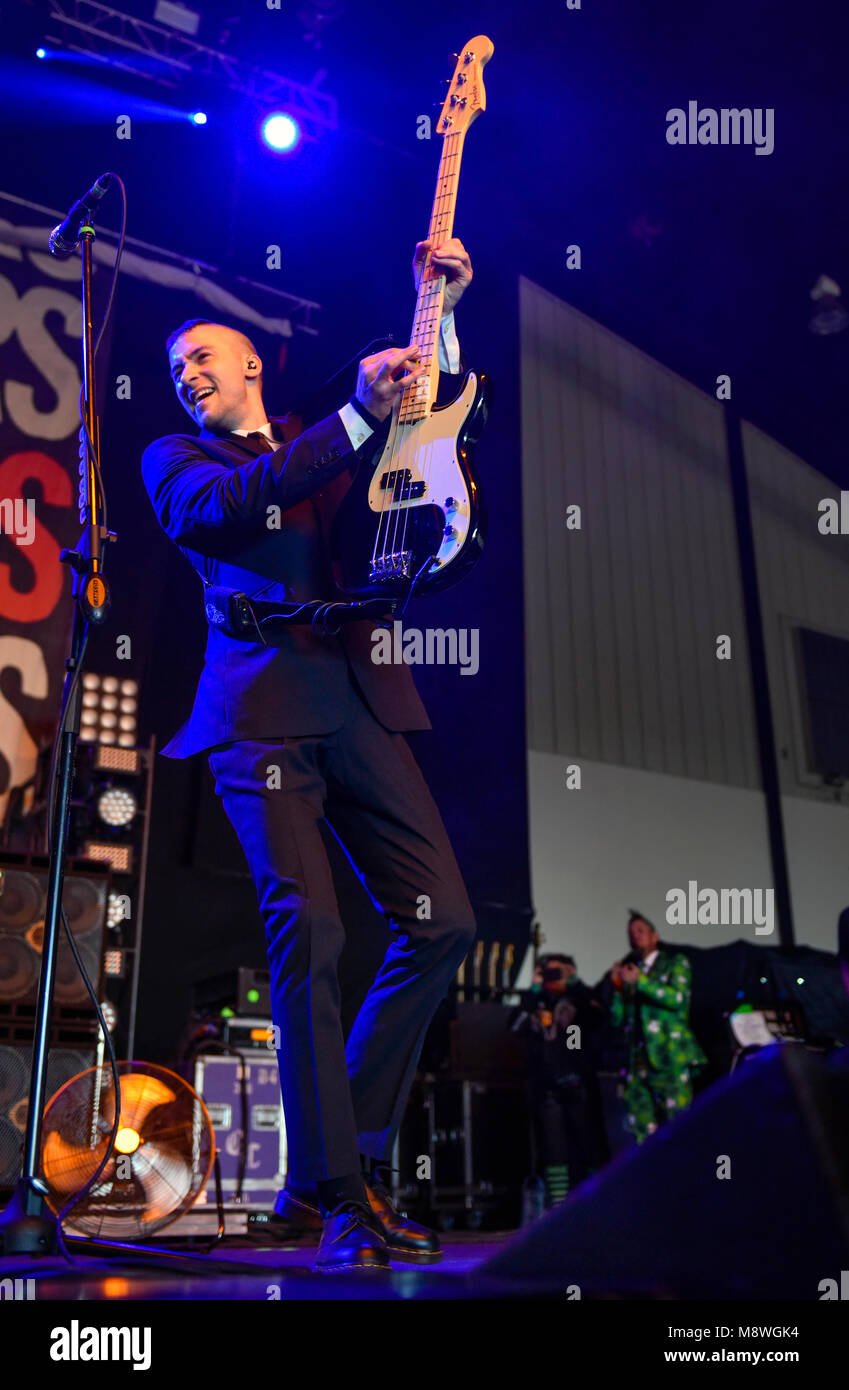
x=65, y=238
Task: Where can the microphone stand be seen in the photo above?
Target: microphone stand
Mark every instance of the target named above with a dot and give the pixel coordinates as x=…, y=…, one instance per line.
x=28, y=1226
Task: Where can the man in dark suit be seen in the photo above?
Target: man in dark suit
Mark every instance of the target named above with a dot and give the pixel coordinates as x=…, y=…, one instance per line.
x=307, y=727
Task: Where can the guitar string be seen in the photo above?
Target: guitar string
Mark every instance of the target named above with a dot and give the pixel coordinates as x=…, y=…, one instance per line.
x=385, y=513
x=408, y=438
x=385, y=508
x=401, y=459
x=407, y=431
x=408, y=443
x=412, y=451
x=397, y=455
x=448, y=176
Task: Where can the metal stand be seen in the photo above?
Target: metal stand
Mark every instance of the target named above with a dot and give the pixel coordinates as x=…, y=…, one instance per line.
x=27, y=1226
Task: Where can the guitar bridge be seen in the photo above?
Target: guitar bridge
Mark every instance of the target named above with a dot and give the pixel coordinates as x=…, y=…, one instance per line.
x=397, y=565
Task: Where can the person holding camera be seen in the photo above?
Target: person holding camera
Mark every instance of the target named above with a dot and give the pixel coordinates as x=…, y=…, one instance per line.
x=561, y=1018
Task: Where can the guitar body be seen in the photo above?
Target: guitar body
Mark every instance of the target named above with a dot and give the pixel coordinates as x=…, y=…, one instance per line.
x=417, y=514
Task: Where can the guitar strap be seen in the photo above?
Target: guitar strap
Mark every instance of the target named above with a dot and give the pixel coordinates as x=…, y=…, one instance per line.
x=249, y=618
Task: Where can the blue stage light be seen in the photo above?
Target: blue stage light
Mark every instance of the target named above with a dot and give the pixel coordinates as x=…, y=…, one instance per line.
x=198, y=118
x=280, y=132
x=41, y=53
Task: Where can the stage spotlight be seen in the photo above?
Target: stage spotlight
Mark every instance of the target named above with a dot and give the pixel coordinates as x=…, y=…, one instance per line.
x=109, y=709
x=198, y=118
x=280, y=132
x=177, y=16
x=116, y=806
x=110, y=1013
x=119, y=856
x=113, y=963
x=115, y=913
x=41, y=53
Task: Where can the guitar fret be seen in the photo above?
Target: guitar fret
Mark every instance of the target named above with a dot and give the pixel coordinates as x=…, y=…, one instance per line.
x=416, y=402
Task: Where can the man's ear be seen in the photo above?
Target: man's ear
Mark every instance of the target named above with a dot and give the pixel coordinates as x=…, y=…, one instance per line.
x=253, y=366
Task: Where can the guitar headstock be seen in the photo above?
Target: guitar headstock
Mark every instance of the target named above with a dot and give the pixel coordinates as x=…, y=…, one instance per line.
x=466, y=97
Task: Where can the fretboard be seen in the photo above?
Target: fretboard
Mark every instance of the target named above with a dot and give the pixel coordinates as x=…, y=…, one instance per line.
x=416, y=402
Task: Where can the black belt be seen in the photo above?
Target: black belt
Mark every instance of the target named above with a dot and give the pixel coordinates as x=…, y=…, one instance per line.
x=255, y=619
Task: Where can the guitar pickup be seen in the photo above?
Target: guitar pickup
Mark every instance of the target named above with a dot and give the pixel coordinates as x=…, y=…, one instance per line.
x=399, y=482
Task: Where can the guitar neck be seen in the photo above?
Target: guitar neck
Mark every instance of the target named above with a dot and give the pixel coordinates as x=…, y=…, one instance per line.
x=416, y=403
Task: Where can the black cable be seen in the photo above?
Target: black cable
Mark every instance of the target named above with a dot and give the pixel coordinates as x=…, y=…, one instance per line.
x=92, y=453
x=51, y=798
x=415, y=580
x=60, y=730
x=118, y=254
x=113, y=1063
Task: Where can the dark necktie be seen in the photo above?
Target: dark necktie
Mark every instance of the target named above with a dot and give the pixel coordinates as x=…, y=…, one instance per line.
x=262, y=442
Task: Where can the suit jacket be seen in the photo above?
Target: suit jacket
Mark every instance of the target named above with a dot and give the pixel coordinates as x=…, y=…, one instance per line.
x=656, y=1013
x=211, y=494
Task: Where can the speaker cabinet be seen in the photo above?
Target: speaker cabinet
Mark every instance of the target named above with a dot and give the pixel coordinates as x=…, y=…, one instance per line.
x=15, y=1066
x=23, y=893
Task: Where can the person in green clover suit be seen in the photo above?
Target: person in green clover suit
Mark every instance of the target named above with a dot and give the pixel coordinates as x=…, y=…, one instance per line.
x=652, y=1003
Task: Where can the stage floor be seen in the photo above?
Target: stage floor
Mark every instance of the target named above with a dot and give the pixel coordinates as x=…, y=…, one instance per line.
x=251, y=1269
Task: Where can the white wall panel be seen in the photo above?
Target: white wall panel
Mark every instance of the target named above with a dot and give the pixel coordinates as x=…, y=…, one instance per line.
x=621, y=625
x=623, y=615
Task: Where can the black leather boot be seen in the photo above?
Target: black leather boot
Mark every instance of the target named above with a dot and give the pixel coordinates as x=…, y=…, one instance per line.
x=351, y=1239
x=405, y=1239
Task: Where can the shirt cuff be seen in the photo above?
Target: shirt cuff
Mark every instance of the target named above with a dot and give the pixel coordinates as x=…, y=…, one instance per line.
x=356, y=428
x=449, y=345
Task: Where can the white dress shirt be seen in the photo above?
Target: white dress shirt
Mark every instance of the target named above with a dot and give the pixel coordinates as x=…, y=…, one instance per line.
x=358, y=429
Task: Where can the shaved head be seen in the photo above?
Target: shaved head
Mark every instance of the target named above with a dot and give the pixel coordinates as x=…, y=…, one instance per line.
x=245, y=343
x=217, y=374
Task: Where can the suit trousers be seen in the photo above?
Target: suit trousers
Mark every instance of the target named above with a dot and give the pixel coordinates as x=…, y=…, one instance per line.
x=340, y=1100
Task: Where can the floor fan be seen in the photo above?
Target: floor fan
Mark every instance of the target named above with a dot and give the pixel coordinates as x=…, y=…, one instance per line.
x=163, y=1156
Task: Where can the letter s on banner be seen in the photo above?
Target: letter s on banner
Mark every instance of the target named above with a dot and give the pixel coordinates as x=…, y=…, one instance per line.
x=38, y=601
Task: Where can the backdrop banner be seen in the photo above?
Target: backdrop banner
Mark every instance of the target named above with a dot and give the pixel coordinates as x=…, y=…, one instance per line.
x=40, y=335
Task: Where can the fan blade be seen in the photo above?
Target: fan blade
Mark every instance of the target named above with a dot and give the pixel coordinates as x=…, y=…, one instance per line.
x=68, y=1167
x=139, y=1095
x=165, y=1177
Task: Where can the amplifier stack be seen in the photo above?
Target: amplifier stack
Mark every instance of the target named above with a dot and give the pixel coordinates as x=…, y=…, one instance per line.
x=23, y=890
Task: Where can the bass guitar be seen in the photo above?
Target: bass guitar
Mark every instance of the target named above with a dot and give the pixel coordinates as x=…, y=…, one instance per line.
x=414, y=522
